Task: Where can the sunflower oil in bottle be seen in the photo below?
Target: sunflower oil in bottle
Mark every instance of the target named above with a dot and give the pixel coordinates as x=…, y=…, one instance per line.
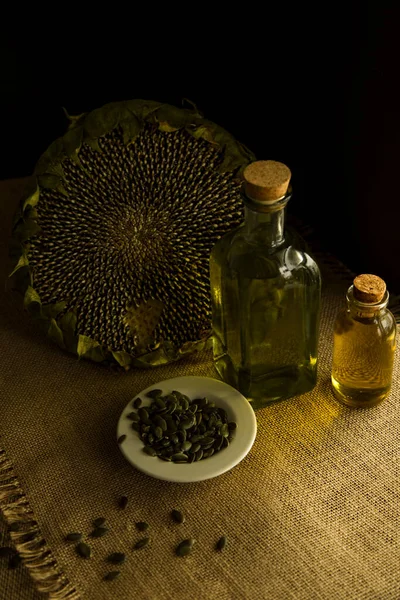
x=364, y=342
x=265, y=292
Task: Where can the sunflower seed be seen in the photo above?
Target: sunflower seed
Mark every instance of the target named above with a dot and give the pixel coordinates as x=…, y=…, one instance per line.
x=232, y=426
x=73, y=537
x=186, y=446
x=160, y=422
x=206, y=440
x=195, y=448
x=154, y=393
x=199, y=455
x=141, y=543
x=158, y=432
x=224, y=430
x=83, y=550
x=117, y=558
x=112, y=575
x=220, y=545
x=99, y=532
x=144, y=416
x=142, y=526
x=99, y=522
x=159, y=402
x=137, y=403
x=123, y=502
x=177, y=516
x=179, y=457
x=185, y=547
x=133, y=416
x=121, y=438
x=149, y=450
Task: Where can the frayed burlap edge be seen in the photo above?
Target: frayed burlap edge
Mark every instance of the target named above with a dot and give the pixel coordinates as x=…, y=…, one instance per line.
x=27, y=538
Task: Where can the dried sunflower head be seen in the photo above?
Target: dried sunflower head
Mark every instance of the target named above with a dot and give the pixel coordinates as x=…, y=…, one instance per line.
x=116, y=237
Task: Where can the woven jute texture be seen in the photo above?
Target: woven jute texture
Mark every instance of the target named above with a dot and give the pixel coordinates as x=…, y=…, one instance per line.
x=313, y=511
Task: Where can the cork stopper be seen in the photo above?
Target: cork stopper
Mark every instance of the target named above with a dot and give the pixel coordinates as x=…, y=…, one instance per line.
x=369, y=289
x=266, y=180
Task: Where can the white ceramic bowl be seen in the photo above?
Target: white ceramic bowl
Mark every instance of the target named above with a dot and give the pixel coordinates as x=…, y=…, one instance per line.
x=224, y=396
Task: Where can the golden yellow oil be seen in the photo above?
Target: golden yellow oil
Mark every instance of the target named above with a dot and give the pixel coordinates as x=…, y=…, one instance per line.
x=265, y=319
x=363, y=354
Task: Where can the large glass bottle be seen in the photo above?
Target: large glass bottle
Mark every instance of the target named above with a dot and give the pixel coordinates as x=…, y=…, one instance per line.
x=364, y=342
x=265, y=296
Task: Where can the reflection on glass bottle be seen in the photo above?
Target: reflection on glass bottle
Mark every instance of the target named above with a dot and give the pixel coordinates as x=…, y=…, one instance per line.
x=265, y=296
x=364, y=342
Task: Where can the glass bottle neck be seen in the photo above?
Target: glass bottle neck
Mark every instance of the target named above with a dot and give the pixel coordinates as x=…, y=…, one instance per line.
x=363, y=310
x=265, y=227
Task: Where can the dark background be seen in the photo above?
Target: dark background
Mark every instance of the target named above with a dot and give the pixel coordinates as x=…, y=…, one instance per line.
x=318, y=91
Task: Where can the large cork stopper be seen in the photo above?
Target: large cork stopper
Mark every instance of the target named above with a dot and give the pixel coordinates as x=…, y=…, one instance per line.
x=266, y=180
x=369, y=289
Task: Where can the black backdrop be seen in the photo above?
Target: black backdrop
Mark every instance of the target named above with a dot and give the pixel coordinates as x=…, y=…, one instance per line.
x=316, y=90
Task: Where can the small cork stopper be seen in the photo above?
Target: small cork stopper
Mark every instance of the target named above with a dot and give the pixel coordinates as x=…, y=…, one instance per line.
x=266, y=180
x=369, y=289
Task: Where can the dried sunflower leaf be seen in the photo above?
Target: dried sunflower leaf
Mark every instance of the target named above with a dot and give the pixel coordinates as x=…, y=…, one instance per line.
x=55, y=333
x=102, y=120
x=49, y=181
x=22, y=262
x=72, y=142
x=166, y=127
x=68, y=326
x=123, y=359
x=32, y=301
x=26, y=229
x=50, y=311
x=88, y=348
x=131, y=127
x=205, y=132
x=173, y=116
x=32, y=199
x=92, y=142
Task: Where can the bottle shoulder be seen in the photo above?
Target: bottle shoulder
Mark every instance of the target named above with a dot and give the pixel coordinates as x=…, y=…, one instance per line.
x=381, y=324
x=239, y=254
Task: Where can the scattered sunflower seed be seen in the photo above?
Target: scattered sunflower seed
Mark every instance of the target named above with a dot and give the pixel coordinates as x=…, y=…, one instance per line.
x=74, y=537
x=99, y=532
x=220, y=545
x=177, y=516
x=99, y=522
x=141, y=543
x=123, y=502
x=112, y=575
x=185, y=547
x=117, y=558
x=83, y=550
x=121, y=438
x=142, y=526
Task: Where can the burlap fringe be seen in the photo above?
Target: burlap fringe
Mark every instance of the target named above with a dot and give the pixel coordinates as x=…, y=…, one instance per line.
x=27, y=538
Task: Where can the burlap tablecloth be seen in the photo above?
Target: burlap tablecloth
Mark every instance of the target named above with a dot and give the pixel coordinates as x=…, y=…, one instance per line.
x=311, y=513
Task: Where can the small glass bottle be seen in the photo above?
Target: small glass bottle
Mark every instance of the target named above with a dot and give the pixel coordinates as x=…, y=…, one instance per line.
x=265, y=292
x=364, y=342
